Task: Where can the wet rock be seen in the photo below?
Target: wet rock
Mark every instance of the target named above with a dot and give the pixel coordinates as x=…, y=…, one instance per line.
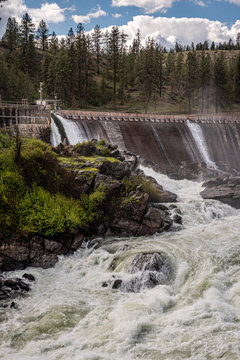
x=117, y=155
x=77, y=242
x=135, y=205
x=16, y=284
x=117, y=284
x=177, y=219
x=4, y=295
x=116, y=169
x=52, y=246
x=124, y=227
x=101, y=230
x=224, y=189
x=29, y=277
x=13, y=305
x=94, y=244
x=149, y=270
x=152, y=222
x=160, y=206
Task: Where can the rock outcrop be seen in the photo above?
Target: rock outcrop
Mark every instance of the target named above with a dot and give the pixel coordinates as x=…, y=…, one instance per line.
x=224, y=189
x=116, y=199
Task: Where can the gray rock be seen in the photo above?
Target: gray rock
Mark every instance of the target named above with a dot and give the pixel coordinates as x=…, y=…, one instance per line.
x=226, y=190
x=149, y=270
x=29, y=277
x=117, y=284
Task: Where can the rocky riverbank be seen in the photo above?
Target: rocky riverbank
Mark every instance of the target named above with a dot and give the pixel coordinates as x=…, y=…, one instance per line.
x=223, y=188
x=104, y=187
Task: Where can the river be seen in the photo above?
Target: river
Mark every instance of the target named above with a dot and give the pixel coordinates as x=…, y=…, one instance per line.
x=69, y=314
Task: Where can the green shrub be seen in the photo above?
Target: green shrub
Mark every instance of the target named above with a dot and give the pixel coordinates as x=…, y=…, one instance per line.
x=102, y=142
x=47, y=214
x=6, y=141
x=86, y=148
x=147, y=186
x=12, y=189
x=40, y=165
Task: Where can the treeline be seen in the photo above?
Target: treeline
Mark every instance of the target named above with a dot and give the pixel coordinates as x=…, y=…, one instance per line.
x=99, y=70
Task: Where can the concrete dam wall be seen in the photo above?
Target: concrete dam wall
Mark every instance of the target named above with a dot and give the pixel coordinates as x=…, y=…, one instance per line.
x=168, y=141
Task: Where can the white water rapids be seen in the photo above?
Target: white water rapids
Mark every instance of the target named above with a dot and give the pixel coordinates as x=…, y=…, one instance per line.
x=69, y=315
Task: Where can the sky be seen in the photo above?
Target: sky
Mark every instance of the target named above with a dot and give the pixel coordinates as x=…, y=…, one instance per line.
x=167, y=21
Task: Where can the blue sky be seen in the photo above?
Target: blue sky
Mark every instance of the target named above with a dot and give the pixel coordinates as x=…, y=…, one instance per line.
x=165, y=20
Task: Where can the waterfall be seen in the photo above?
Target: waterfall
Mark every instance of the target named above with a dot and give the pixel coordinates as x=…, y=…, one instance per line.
x=200, y=141
x=74, y=131
x=55, y=134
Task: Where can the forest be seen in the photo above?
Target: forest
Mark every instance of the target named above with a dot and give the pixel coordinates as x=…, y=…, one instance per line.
x=97, y=69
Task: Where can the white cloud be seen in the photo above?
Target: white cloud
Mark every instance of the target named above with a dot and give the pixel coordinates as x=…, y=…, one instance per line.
x=93, y=14
x=116, y=15
x=200, y=3
x=49, y=12
x=183, y=30
x=149, y=6
x=236, y=2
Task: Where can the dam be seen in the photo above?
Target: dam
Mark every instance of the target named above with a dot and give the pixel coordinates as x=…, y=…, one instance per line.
x=170, y=141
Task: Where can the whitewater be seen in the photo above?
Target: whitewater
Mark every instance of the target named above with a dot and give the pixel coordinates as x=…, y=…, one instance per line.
x=69, y=314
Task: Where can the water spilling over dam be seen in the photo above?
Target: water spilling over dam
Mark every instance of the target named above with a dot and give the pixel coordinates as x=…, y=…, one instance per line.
x=167, y=142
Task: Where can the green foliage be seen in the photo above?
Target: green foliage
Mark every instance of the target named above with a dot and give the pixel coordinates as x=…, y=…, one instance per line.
x=147, y=186
x=6, y=140
x=86, y=148
x=12, y=189
x=40, y=164
x=43, y=213
x=102, y=142
x=93, y=202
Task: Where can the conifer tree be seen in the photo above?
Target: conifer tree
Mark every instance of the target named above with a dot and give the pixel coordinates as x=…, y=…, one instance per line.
x=11, y=36
x=220, y=82
x=96, y=40
x=42, y=34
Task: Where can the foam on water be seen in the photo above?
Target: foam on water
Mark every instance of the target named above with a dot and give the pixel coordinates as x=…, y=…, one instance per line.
x=69, y=315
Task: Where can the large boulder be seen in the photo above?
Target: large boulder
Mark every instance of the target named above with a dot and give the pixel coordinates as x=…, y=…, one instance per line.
x=224, y=189
x=153, y=221
x=115, y=169
x=135, y=205
x=148, y=270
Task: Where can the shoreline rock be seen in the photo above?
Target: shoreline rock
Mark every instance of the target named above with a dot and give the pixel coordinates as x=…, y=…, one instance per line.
x=225, y=189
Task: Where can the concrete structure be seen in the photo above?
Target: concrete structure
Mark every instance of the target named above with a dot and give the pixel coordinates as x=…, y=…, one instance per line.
x=32, y=120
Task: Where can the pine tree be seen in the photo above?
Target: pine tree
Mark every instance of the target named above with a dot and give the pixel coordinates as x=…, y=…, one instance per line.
x=42, y=35
x=96, y=39
x=114, y=49
x=191, y=78
x=204, y=76
x=27, y=29
x=148, y=71
x=11, y=36
x=122, y=67
x=220, y=82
